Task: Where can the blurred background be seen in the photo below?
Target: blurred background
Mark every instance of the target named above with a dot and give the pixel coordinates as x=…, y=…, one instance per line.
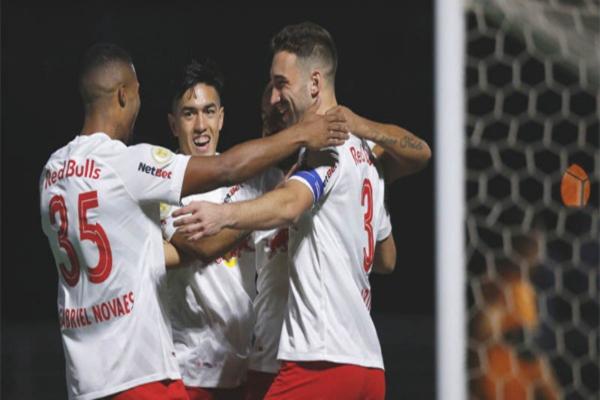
x=385, y=73
x=532, y=96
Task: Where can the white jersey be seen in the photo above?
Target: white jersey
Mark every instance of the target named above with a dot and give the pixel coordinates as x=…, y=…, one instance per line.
x=272, y=283
x=99, y=206
x=272, y=286
x=331, y=250
x=210, y=306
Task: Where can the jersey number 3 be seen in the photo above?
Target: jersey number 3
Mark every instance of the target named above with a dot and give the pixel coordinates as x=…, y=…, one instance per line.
x=92, y=232
x=367, y=196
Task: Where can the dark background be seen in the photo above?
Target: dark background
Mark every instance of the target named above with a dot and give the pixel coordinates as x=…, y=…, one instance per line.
x=385, y=73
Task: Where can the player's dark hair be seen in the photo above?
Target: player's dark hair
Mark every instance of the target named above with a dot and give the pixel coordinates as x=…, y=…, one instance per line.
x=307, y=40
x=97, y=56
x=194, y=73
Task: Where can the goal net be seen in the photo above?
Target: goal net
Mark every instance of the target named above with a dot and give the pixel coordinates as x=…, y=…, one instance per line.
x=532, y=101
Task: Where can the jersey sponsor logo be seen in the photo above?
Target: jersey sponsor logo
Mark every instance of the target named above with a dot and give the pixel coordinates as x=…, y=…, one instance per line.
x=232, y=191
x=279, y=243
x=328, y=175
x=230, y=259
x=151, y=170
x=72, y=168
x=165, y=210
x=361, y=155
x=71, y=318
x=161, y=155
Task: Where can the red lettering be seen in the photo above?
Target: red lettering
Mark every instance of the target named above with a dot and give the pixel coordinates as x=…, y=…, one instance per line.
x=70, y=168
x=72, y=319
x=113, y=307
x=126, y=304
x=120, y=310
x=81, y=317
x=105, y=311
x=61, y=172
x=97, y=313
x=79, y=171
x=131, y=298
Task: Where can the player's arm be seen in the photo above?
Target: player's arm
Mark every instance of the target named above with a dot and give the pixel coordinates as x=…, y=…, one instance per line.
x=250, y=158
x=172, y=256
x=280, y=207
x=385, y=256
x=209, y=248
x=400, y=151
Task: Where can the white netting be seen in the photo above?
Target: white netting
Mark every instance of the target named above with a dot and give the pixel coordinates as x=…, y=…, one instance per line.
x=533, y=264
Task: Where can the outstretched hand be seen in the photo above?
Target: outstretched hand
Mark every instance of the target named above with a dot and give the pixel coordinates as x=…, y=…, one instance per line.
x=199, y=219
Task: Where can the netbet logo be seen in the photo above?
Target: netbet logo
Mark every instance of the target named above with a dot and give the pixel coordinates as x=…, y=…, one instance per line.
x=158, y=172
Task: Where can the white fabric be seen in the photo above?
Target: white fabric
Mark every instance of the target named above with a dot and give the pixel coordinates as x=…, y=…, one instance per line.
x=329, y=296
x=211, y=305
x=272, y=284
x=115, y=331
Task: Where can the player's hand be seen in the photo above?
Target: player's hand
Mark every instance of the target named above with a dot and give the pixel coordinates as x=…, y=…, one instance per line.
x=199, y=219
x=321, y=131
x=354, y=122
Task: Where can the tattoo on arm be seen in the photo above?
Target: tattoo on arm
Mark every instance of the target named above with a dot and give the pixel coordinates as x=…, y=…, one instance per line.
x=385, y=140
x=406, y=142
x=411, y=143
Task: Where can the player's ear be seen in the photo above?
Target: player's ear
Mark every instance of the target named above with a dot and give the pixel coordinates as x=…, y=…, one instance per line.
x=316, y=83
x=221, y=117
x=122, y=96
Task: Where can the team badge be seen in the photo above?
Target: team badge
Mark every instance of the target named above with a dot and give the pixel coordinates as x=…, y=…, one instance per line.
x=161, y=155
x=230, y=260
x=165, y=210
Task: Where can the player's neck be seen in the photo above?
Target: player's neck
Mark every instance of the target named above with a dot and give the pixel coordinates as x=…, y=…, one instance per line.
x=101, y=121
x=328, y=101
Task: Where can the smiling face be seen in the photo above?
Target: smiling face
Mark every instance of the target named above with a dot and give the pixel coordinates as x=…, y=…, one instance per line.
x=291, y=95
x=197, y=119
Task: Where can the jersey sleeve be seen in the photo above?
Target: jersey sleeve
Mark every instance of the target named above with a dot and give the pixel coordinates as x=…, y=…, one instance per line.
x=319, y=172
x=384, y=227
x=153, y=173
x=166, y=221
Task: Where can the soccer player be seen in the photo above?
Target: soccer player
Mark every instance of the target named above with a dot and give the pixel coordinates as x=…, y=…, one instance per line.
x=339, y=230
x=99, y=203
x=210, y=301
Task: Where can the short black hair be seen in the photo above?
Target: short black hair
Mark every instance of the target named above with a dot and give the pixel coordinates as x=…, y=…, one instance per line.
x=97, y=56
x=194, y=73
x=307, y=40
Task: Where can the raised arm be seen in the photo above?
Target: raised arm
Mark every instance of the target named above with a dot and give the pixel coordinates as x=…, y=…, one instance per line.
x=400, y=151
x=252, y=157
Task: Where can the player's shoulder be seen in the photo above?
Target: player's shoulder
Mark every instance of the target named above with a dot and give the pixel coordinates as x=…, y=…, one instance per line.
x=156, y=154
